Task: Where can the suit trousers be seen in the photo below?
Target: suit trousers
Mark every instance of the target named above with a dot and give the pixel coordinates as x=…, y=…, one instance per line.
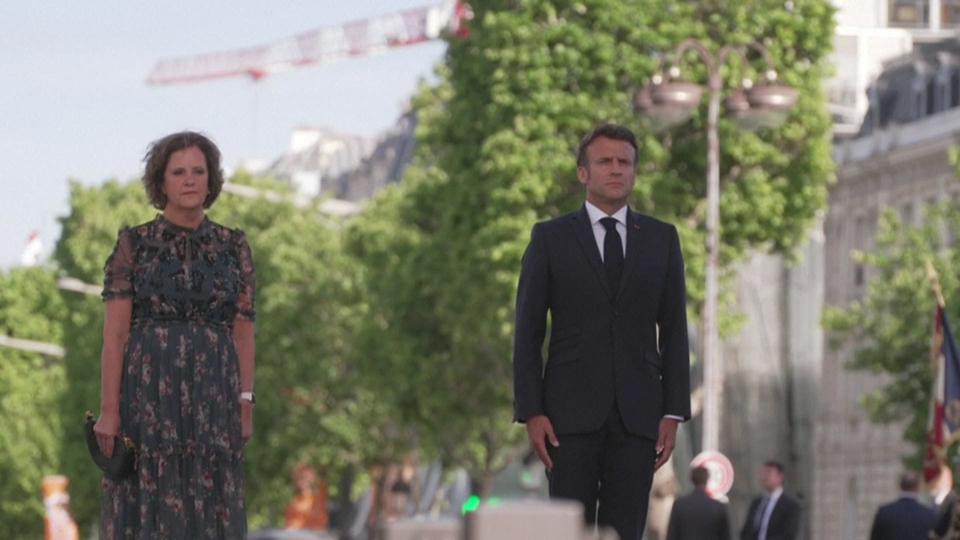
x=609, y=471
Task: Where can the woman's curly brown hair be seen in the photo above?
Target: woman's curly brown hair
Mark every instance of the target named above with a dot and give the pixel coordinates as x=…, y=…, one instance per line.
x=159, y=154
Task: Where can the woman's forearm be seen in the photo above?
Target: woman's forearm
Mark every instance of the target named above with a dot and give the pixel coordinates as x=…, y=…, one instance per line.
x=243, y=339
x=116, y=330
x=111, y=366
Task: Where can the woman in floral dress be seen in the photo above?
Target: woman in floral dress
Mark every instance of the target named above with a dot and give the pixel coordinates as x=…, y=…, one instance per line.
x=178, y=357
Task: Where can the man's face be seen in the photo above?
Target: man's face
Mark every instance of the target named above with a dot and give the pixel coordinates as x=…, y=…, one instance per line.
x=770, y=478
x=609, y=175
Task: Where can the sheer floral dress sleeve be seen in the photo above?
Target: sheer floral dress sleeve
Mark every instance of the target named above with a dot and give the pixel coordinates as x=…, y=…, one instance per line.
x=248, y=281
x=118, y=271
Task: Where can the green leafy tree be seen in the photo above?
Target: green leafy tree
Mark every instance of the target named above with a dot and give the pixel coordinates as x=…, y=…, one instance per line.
x=30, y=384
x=88, y=234
x=310, y=407
x=495, y=154
x=889, y=330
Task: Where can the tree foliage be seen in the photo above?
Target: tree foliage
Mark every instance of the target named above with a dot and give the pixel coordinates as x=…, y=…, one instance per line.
x=88, y=234
x=495, y=154
x=890, y=329
x=310, y=406
x=30, y=384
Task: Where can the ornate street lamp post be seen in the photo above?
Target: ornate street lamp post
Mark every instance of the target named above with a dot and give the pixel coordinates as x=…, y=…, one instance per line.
x=671, y=102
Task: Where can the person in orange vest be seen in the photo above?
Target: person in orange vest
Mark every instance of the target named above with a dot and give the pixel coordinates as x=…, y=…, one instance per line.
x=57, y=523
x=308, y=509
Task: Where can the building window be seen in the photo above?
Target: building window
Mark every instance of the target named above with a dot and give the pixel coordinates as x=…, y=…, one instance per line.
x=950, y=237
x=858, y=275
x=950, y=12
x=955, y=88
x=931, y=95
x=906, y=213
x=860, y=234
x=943, y=88
x=909, y=13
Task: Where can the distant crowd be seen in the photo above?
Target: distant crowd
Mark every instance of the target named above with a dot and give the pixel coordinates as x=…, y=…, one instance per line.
x=774, y=515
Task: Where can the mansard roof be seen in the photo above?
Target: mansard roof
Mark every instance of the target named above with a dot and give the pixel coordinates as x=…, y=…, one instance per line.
x=914, y=86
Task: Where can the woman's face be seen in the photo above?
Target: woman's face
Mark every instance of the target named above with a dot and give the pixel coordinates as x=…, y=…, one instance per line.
x=185, y=179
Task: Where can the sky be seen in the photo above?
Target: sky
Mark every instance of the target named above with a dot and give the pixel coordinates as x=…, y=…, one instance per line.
x=74, y=104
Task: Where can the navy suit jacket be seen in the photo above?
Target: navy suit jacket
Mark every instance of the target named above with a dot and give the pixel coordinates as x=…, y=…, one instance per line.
x=784, y=523
x=904, y=519
x=697, y=516
x=625, y=342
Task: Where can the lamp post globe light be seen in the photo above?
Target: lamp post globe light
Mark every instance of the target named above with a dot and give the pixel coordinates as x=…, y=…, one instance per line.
x=670, y=102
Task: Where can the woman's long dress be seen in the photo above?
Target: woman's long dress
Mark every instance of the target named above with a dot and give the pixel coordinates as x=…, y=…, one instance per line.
x=179, y=397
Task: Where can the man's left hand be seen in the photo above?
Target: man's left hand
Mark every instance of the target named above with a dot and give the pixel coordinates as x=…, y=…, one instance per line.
x=666, y=440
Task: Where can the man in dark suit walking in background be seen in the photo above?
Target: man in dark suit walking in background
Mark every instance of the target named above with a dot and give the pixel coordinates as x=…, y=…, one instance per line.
x=905, y=518
x=775, y=515
x=697, y=515
x=602, y=415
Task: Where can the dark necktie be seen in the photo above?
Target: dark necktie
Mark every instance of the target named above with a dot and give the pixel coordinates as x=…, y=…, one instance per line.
x=758, y=517
x=612, y=252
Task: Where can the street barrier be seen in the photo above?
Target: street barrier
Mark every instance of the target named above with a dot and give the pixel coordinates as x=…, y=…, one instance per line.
x=506, y=520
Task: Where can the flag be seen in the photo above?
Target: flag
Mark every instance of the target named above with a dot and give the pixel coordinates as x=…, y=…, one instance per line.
x=33, y=252
x=944, y=419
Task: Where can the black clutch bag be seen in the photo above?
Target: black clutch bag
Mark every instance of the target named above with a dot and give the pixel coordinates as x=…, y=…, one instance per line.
x=124, y=459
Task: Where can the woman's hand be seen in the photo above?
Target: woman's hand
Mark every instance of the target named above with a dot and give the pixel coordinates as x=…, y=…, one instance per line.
x=106, y=429
x=246, y=419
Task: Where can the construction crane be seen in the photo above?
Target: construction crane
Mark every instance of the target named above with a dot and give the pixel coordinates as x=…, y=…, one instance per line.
x=314, y=47
x=318, y=46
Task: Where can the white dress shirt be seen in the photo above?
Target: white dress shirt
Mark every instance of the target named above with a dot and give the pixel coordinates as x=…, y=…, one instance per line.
x=600, y=233
x=765, y=520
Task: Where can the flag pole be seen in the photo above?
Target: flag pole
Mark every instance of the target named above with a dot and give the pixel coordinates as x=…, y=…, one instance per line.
x=934, y=278
x=935, y=346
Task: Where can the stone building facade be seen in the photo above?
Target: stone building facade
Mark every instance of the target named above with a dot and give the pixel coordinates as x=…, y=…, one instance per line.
x=906, y=167
x=789, y=395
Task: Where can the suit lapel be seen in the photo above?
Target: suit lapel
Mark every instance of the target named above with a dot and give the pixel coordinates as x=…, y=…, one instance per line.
x=583, y=230
x=635, y=244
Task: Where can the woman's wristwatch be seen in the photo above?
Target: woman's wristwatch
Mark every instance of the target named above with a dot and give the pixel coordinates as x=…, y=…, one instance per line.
x=249, y=397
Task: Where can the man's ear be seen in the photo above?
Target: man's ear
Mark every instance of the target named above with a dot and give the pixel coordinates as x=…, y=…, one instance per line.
x=583, y=175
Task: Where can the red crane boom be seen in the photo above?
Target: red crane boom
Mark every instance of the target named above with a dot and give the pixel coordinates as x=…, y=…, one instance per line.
x=319, y=46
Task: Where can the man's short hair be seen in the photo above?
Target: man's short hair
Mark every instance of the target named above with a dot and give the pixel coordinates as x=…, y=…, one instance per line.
x=909, y=481
x=699, y=476
x=774, y=464
x=610, y=131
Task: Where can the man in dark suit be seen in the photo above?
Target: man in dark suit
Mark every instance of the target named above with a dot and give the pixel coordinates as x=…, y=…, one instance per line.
x=906, y=518
x=698, y=516
x=603, y=414
x=775, y=515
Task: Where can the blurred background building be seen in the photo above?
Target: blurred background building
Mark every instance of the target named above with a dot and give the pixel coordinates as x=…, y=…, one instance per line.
x=894, y=101
x=322, y=163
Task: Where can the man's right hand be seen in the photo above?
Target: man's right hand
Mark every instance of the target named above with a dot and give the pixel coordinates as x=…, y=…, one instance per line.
x=540, y=430
x=106, y=428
